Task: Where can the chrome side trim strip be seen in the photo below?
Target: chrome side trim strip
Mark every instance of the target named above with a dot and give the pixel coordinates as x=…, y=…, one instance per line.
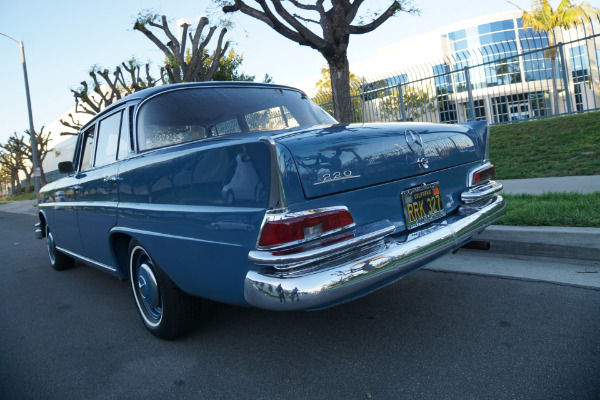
x=180, y=208
x=319, y=288
x=138, y=232
x=86, y=260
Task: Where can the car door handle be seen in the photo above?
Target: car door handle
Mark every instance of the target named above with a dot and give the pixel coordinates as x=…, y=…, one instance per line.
x=76, y=187
x=112, y=179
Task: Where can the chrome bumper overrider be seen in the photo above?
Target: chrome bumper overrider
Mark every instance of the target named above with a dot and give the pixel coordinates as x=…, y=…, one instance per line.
x=357, y=272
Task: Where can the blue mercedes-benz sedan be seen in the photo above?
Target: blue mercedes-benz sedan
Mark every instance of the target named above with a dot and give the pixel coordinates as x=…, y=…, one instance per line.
x=250, y=194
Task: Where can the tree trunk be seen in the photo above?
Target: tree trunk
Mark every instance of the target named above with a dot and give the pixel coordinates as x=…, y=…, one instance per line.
x=339, y=70
x=27, y=183
x=42, y=173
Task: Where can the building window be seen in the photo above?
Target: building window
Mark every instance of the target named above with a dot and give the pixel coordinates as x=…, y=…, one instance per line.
x=479, y=108
x=522, y=106
x=579, y=64
x=496, y=41
x=578, y=97
x=442, y=78
x=536, y=66
x=447, y=109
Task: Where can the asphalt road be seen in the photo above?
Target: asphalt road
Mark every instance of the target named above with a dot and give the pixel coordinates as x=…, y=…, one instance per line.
x=433, y=335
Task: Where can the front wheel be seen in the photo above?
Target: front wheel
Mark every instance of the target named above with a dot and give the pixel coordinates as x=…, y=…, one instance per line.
x=167, y=312
x=58, y=260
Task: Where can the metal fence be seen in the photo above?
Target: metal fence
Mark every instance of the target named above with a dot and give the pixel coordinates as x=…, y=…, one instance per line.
x=504, y=82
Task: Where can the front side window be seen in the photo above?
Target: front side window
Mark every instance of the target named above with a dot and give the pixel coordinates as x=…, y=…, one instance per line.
x=108, y=140
x=196, y=113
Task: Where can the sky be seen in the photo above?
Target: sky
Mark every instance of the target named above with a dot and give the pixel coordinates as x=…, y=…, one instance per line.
x=64, y=38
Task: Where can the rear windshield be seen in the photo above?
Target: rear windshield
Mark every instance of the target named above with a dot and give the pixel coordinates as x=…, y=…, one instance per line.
x=197, y=113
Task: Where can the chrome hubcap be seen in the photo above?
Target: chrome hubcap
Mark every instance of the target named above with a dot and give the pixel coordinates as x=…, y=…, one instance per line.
x=148, y=288
x=145, y=286
x=50, y=243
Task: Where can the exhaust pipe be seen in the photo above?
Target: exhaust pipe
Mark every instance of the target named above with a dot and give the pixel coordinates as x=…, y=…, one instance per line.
x=477, y=245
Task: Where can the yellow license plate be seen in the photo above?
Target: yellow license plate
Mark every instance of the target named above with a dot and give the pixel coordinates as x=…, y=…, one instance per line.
x=423, y=204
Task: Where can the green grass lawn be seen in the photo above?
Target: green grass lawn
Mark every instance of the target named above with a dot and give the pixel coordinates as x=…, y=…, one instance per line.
x=28, y=196
x=553, y=209
x=559, y=146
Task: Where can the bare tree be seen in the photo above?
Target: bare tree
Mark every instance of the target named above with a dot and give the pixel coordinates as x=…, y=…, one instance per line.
x=5, y=177
x=184, y=64
x=106, y=88
x=43, y=148
x=186, y=61
x=335, y=25
x=10, y=164
x=17, y=156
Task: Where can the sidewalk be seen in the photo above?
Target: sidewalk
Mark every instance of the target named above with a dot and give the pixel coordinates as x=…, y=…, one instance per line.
x=20, y=207
x=581, y=184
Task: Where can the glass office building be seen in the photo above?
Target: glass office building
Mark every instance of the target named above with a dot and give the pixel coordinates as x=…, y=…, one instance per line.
x=491, y=68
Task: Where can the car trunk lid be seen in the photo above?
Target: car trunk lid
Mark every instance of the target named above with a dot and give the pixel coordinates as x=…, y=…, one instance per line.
x=342, y=157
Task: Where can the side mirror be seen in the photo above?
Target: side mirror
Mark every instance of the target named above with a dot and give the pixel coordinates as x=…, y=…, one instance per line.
x=66, y=167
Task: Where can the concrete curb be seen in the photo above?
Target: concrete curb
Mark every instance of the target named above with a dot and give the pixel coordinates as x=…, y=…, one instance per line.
x=553, y=242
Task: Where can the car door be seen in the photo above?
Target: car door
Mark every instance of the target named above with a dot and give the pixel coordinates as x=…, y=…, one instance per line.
x=65, y=226
x=98, y=195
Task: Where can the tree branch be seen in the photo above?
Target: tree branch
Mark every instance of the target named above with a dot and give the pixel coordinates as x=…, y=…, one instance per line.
x=303, y=6
x=303, y=31
x=392, y=9
x=301, y=18
x=268, y=18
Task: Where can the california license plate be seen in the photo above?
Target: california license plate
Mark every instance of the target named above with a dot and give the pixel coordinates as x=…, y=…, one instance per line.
x=422, y=204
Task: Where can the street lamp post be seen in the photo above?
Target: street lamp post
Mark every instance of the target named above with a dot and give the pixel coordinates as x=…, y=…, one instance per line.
x=34, y=155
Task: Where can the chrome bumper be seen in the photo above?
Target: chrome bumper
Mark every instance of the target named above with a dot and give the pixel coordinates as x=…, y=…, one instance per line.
x=386, y=261
x=39, y=233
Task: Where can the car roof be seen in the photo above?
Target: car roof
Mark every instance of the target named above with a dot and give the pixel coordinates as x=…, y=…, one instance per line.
x=147, y=93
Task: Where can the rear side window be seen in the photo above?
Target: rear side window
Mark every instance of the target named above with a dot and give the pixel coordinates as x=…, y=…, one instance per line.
x=125, y=136
x=272, y=119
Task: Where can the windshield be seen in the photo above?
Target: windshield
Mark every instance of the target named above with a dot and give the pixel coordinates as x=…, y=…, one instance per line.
x=195, y=113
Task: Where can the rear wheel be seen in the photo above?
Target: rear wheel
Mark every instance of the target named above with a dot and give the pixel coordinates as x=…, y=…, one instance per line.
x=166, y=311
x=58, y=260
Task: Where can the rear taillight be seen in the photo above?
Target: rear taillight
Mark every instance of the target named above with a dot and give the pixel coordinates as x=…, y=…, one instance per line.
x=482, y=174
x=303, y=226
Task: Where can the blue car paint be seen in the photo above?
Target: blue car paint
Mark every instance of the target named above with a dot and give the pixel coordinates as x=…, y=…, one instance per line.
x=166, y=199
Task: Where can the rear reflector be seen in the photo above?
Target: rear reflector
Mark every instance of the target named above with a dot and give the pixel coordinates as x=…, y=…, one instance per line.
x=303, y=227
x=482, y=175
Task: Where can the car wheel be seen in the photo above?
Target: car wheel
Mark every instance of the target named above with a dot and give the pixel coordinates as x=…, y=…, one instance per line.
x=58, y=260
x=167, y=312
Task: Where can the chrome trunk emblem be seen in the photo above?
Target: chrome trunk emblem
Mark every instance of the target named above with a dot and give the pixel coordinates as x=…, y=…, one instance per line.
x=414, y=140
x=415, y=143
